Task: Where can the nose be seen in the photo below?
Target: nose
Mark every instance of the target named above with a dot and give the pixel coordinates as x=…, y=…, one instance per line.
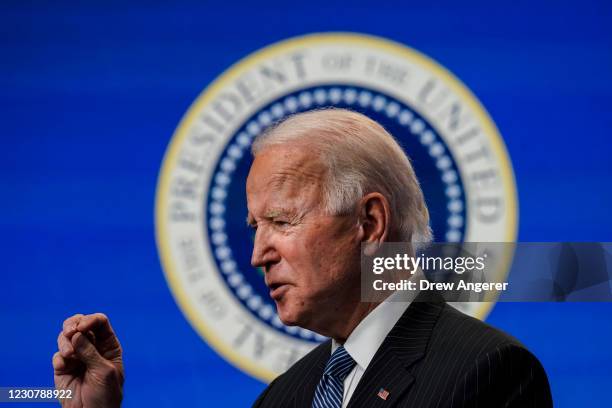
x=264, y=251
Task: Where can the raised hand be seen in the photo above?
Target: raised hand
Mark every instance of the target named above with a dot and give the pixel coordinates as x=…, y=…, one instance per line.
x=89, y=363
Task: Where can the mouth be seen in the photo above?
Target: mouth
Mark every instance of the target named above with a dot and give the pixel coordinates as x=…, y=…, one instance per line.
x=278, y=290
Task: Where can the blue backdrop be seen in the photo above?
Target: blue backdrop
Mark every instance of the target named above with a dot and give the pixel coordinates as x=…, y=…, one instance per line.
x=90, y=95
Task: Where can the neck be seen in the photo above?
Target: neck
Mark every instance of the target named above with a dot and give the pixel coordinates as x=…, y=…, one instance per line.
x=345, y=323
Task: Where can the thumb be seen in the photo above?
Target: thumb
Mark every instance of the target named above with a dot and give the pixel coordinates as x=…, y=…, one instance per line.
x=86, y=351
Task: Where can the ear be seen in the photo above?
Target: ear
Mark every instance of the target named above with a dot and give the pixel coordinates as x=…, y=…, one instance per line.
x=374, y=218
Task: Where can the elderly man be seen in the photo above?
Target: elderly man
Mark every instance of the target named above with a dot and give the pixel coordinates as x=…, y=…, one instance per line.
x=322, y=184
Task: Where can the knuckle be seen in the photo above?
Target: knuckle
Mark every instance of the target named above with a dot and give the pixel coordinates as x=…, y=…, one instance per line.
x=101, y=316
x=72, y=319
x=62, y=342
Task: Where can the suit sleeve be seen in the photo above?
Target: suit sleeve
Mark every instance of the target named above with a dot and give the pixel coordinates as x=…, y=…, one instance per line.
x=509, y=376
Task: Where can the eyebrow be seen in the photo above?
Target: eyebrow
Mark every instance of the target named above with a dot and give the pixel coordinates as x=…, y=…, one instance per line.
x=269, y=214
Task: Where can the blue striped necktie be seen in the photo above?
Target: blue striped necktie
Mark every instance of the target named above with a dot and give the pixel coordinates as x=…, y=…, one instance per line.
x=331, y=387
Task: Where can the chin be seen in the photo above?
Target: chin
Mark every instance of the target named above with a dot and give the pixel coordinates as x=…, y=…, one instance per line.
x=288, y=319
x=288, y=316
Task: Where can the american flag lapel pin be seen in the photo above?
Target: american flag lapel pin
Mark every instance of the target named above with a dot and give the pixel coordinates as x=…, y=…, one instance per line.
x=383, y=394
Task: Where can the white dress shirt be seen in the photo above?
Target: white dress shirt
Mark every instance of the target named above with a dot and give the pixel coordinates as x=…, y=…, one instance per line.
x=366, y=338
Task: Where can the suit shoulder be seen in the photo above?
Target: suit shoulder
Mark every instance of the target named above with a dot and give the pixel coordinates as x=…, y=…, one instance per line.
x=282, y=390
x=317, y=356
x=466, y=334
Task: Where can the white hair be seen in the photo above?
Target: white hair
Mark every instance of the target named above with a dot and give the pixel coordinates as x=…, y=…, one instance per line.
x=361, y=158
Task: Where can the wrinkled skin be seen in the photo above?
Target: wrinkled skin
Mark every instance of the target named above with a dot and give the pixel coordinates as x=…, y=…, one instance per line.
x=89, y=362
x=311, y=259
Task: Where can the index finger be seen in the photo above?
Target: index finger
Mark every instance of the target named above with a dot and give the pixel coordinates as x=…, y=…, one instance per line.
x=97, y=323
x=70, y=324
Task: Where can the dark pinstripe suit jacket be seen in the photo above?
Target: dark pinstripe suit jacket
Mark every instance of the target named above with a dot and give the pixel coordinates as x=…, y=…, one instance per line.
x=435, y=356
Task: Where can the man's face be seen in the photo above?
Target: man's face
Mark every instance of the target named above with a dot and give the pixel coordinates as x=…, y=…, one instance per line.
x=310, y=259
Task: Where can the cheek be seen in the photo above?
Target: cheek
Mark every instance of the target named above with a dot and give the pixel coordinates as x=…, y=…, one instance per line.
x=318, y=255
x=343, y=257
x=299, y=256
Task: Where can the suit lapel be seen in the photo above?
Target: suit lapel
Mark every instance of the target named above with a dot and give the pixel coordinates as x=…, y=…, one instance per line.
x=304, y=395
x=395, y=380
x=405, y=344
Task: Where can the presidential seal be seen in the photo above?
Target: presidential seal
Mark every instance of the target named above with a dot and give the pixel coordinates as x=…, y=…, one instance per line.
x=203, y=240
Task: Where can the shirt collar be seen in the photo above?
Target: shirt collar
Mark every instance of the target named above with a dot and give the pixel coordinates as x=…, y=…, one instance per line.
x=366, y=338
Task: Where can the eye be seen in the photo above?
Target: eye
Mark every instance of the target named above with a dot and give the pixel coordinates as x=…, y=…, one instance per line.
x=281, y=223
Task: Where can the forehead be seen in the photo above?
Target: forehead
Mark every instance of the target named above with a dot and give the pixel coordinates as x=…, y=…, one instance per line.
x=291, y=172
